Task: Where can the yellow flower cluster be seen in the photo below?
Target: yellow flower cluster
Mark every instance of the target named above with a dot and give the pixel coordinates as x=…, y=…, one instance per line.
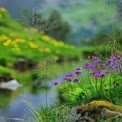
x=14, y=43
x=47, y=50
x=7, y=43
x=19, y=40
x=46, y=38
x=32, y=45
x=3, y=37
x=56, y=44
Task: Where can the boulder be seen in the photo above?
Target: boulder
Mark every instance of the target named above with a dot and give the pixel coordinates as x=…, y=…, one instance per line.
x=10, y=85
x=94, y=111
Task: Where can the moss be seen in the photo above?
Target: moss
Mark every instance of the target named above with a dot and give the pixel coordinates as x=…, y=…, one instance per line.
x=101, y=104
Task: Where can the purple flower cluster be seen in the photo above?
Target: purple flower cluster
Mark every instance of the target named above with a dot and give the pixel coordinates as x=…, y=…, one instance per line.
x=99, y=69
x=113, y=63
x=70, y=74
x=70, y=77
x=114, y=59
x=76, y=80
x=96, y=59
x=113, y=67
x=98, y=75
x=89, y=66
x=55, y=83
x=67, y=78
x=78, y=71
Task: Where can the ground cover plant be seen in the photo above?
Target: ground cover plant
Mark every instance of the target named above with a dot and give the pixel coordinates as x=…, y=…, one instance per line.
x=98, y=79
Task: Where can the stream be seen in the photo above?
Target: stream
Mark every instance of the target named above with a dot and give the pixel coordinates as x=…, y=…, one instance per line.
x=14, y=104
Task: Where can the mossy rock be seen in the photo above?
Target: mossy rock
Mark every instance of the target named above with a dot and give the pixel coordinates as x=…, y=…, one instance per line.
x=100, y=111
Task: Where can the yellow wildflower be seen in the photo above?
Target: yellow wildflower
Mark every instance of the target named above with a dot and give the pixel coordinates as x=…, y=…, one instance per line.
x=20, y=40
x=4, y=37
x=56, y=44
x=7, y=43
x=46, y=38
x=32, y=45
x=47, y=50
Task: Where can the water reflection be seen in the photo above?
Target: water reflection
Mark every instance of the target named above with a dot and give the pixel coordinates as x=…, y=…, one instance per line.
x=14, y=104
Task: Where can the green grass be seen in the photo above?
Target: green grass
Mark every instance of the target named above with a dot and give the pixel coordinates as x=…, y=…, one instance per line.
x=49, y=113
x=17, y=43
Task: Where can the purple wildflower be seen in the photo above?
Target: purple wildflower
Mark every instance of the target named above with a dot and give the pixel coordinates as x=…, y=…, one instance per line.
x=70, y=74
x=78, y=72
x=108, y=61
x=55, y=83
x=89, y=66
x=118, y=57
x=95, y=75
x=85, y=65
x=98, y=75
x=67, y=78
x=113, y=59
x=78, y=68
x=110, y=67
x=102, y=75
x=76, y=80
x=113, y=67
x=96, y=59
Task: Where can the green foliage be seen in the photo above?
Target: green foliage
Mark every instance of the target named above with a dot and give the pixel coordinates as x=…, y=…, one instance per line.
x=4, y=72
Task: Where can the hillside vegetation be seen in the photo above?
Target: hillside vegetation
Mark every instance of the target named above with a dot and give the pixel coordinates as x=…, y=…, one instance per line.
x=28, y=46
